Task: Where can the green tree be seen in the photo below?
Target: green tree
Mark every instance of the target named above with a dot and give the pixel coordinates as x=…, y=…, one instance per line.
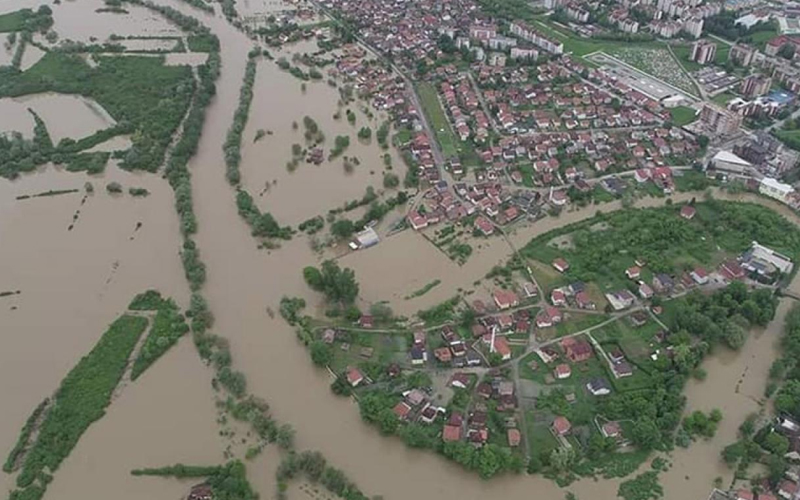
x=776, y=444
x=321, y=353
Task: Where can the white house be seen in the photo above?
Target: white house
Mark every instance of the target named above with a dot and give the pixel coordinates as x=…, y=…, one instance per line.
x=775, y=189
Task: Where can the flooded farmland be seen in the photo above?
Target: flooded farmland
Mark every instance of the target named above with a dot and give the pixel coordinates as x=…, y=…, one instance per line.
x=85, y=117
x=73, y=283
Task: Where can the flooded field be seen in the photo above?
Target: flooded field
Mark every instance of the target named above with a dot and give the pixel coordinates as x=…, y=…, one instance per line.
x=78, y=21
x=65, y=115
x=73, y=283
x=310, y=190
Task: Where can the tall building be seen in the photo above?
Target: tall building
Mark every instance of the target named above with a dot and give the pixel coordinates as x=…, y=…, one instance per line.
x=742, y=55
x=693, y=26
x=755, y=85
x=703, y=52
x=719, y=121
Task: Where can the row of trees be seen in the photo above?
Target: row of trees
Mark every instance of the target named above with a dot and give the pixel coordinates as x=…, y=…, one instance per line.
x=168, y=326
x=233, y=141
x=227, y=482
x=767, y=445
x=81, y=399
x=262, y=225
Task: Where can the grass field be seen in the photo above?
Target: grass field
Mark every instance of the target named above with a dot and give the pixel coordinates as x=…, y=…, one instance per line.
x=682, y=115
x=433, y=110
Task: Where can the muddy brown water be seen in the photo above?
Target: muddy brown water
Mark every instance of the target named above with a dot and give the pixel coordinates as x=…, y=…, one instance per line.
x=74, y=283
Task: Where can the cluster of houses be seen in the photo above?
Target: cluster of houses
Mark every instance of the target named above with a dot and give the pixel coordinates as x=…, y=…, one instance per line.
x=416, y=406
x=473, y=426
x=408, y=30
x=557, y=100
x=454, y=350
x=441, y=203
x=555, y=158
x=576, y=350
x=464, y=109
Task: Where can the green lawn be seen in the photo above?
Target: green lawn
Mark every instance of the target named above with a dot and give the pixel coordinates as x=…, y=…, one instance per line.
x=13, y=21
x=789, y=137
x=682, y=115
x=723, y=98
x=388, y=348
x=601, y=254
x=683, y=52
x=578, y=322
x=540, y=439
x=582, y=46
x=438, y=119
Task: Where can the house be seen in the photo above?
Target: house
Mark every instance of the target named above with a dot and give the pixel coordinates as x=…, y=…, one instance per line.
x=514, y=437
x=354, y=376
x=505, y=322
x=484, y=225
x=366, y=321
x=415, y=397
x=560, y=265
x=598, y=386
x=484, y=390
x=459, y=380
x=731, y=270
x=401, y=409
x=699, y=276
x=451, y=433
x=561, y=426
x=622, y=369
x=577, y=350
x=418, y=355
x=505, y=299
x=562, y=371
x=201, y=492
x=611, y=430
x=473, y=358
x=620, y=300
x=419, y=338
x=645, y=291
x=459, y=349
x=663, y=283
x=687, y=212
x=558, y=298
x=633, y=272
x=548, y=317
x=530, y=290
x=583, y=300
x=443, y=354
x=329, y=336
x=788, y=489
x=638, y=318
x=745, y=495
x=428, y=414
x=417, y=221
x=502, y=348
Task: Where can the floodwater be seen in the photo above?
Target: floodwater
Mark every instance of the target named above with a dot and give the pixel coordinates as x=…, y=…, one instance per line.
x=30, y=57
x=65, y=115
x=310, y=190
x=75, y=282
